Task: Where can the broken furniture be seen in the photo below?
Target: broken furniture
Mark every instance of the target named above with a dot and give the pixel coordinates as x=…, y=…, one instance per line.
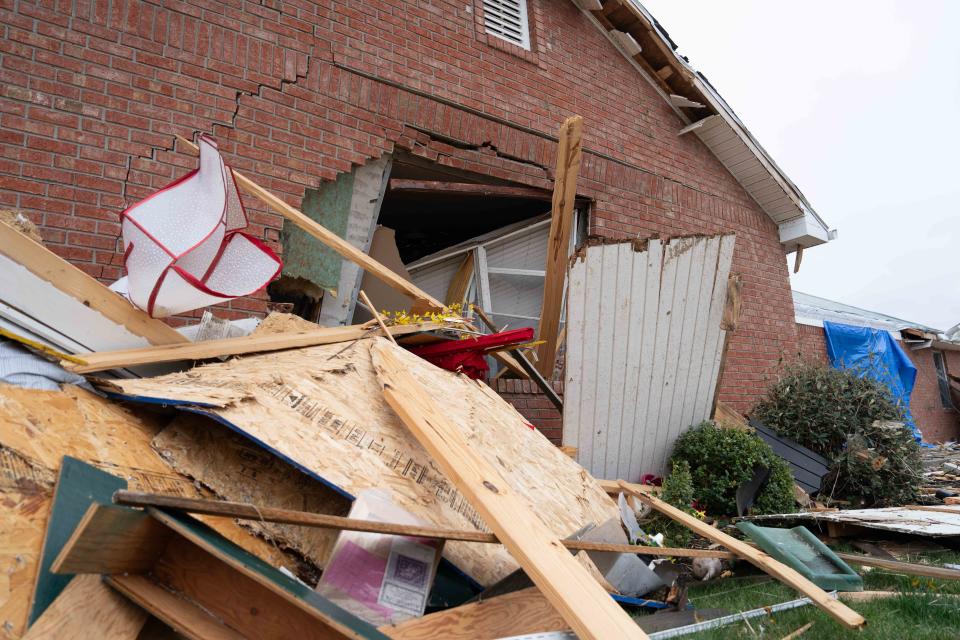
x=800, y=549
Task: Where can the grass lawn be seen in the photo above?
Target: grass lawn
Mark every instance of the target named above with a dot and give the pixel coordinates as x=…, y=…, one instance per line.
x=932, y=615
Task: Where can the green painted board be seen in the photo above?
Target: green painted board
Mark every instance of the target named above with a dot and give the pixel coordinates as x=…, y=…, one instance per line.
x=803, y=551
x=78, y=486
x=214, y=543
x=303, y=255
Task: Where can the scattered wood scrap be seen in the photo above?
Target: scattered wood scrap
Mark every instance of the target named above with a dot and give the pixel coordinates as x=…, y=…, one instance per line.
x=321, y=410
x=785, y=574
x=564, y=582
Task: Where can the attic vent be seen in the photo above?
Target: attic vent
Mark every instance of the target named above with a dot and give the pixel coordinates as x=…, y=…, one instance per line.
x=507, y=19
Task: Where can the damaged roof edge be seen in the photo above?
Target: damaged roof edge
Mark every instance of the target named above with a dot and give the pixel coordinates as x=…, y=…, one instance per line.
x=732, y=143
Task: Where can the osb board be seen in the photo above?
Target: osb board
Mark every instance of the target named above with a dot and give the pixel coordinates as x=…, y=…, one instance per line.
x=37, y=428
x=236, y=469
x=321, y=408
x=278, y=322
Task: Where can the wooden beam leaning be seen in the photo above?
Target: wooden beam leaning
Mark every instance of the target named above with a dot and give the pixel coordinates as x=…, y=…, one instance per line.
x=45, y=264
x=838, y=611
x=558, y=243
x=330, y=239
x=245, y=511
x=586, y=607
x=460, y=282
x=104, y=360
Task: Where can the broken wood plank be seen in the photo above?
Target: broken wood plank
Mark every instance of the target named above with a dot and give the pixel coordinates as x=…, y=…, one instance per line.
x=586, y=607
x=245, y=511
x=468, y=189
x=234, y=346
x=376, y=316
x=180, y=614
x=330, y=239
x=87, y=608
x=838, y=611
x=70, y=280
x=908, y=568
x=460, y=282
x=558, y=243
x=112, y=540
x=518, y=613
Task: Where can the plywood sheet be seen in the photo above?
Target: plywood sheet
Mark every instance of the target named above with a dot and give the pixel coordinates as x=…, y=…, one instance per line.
x=321, y=409
x=643, y=348
x=236, y=469
x=37, y=428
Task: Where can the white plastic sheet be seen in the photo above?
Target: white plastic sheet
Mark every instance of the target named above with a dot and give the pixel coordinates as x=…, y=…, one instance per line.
x=183, y=245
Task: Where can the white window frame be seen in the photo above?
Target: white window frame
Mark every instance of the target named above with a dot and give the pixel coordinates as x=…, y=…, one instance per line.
x=493, y=12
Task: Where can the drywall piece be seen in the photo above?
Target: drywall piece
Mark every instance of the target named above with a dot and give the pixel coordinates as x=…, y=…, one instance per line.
x=321, y=409
x=87, y=608
x=644, y=346
x=564, y=581
x=236, y=469
x=384, y=249
x=368, y=183
x=78, y=486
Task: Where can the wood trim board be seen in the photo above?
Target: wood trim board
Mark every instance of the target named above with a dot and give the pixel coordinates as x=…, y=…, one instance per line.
x=87, y=608
x=585, y=606
x=235, y=346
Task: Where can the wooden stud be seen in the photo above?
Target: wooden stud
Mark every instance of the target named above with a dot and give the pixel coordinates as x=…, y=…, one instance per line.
x=376, y=316
x=586, y=607
x=517, y=613
x=48, y=266
x=233, y=346
x=177, y=612
x=330, y=239
x=665, y=72
x=558, y=243
x=838, y=611
x=799, y=632
x=245, y=511
x=87, y=608
x=460, y=282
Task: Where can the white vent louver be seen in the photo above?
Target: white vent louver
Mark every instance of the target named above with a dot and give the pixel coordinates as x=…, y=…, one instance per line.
x=507, y=19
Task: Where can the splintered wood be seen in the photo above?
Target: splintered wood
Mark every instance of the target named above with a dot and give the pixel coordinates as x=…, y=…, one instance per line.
x=321, y=409
x=37, y=428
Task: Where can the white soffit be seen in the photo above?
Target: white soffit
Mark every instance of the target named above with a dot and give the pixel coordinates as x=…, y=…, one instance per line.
x=730, y=141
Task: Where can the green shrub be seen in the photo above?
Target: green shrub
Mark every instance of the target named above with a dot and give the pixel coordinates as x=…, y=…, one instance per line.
x=720, y=460
x=847, y=419
x=677, y=490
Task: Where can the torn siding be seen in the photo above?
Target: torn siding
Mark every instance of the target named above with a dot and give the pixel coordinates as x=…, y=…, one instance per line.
x=644, y=346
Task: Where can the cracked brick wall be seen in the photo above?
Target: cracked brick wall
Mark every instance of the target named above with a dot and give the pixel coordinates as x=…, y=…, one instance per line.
x=93, y=92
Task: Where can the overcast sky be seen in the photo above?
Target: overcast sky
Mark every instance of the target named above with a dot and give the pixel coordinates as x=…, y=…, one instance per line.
x=859, y=103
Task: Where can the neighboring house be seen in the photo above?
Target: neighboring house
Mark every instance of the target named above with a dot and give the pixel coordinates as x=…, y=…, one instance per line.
x=932, y=352
x=368, y=112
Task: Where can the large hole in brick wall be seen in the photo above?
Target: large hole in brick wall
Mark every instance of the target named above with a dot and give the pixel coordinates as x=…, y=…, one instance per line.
x=428, y=217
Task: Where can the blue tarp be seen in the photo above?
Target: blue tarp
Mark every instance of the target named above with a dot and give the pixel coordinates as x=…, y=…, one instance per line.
x=874, y=353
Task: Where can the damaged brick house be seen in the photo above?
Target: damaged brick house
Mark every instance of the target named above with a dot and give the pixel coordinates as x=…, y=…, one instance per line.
x=434, y=119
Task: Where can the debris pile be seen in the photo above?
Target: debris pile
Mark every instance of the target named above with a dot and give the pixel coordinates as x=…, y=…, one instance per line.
x=365, y=481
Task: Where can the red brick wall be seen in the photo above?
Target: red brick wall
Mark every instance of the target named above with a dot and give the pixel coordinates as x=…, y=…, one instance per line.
x=936, y=423
x=534, y=406
x=91, y=94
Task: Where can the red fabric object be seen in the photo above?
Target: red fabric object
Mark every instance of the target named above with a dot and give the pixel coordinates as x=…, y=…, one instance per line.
x=467, y=356
x=651, y=479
